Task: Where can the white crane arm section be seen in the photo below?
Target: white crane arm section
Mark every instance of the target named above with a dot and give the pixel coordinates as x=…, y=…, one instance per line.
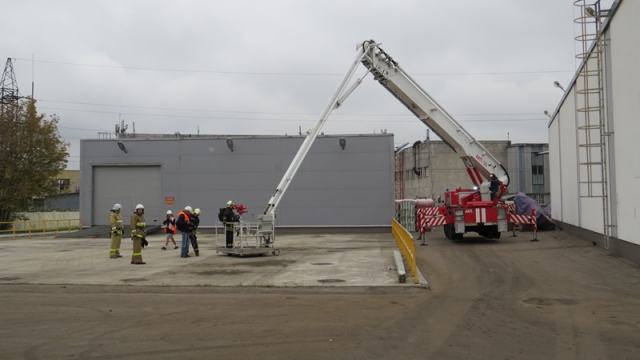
x=392, y=77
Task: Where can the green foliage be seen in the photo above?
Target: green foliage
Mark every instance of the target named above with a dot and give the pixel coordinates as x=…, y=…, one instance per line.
x=31, y=155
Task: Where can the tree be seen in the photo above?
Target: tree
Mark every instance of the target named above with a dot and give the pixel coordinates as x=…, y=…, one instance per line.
x=31, y=155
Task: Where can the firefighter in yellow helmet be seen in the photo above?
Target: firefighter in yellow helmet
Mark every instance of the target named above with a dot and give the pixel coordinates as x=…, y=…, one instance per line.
x=138, y=234
x=195, y=222
x=115, y=220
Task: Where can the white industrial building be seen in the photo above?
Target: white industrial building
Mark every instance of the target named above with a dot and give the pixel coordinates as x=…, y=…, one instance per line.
x=593, y=133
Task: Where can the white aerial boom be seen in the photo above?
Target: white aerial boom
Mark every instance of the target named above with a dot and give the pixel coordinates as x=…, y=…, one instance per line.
x=479, y=162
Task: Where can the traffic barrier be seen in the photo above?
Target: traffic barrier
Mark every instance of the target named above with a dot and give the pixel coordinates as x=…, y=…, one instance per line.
x=407, y=247
x=526, y=220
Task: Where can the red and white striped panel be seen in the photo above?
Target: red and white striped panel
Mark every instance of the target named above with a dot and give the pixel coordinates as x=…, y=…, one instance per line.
x=511, y=207
x=429, y=211
x=522, y=219
x=423, y=215
x=436, y=221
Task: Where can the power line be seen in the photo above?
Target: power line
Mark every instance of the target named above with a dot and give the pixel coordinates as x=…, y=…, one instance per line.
x=284, y=73
x=262, y=112
x=266, y=119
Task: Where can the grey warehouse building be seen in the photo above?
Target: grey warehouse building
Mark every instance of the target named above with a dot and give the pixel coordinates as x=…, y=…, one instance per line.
x=334, y=186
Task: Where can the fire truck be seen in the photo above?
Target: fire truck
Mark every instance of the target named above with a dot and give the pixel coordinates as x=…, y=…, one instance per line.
x=464, y=210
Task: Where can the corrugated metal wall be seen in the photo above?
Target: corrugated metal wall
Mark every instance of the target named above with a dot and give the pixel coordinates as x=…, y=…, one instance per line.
x=333, y=187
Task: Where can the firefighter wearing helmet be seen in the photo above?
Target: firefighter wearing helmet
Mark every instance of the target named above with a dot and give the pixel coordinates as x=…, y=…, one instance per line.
x=138, y=234
x=183, y=223
x=195, y=222
x=228, y=218
x=115, y=220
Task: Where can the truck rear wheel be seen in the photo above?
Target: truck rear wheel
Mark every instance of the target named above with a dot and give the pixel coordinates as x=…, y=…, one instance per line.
x=448, y=229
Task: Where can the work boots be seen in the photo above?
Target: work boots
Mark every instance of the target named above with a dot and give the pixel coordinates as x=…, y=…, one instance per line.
x=137, y=260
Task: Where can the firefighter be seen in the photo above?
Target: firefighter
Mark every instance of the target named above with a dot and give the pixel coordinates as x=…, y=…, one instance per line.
x=115, y=220
x=195, y=221
x=138, y=234
x=228, y=219
x=184, y=225
x=494, y=186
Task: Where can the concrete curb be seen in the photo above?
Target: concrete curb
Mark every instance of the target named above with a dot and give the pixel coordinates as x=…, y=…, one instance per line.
x=402, y=274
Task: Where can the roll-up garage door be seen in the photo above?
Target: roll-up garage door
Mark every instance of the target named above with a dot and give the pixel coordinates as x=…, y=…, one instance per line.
x=129, y=186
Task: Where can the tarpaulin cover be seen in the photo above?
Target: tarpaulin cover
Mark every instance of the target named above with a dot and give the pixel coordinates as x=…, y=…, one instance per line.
x=525, y=204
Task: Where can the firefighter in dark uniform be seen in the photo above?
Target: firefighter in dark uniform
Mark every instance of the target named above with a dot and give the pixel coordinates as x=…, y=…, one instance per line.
x=115, y=220
x=494, y=186
x=138, y=234
x=228, y=219
x=195, y=221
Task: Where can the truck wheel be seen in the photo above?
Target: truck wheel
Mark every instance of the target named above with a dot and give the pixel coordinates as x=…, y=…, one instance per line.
x=447, y=231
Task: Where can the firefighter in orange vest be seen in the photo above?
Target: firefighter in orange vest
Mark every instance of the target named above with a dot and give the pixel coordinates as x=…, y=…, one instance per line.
x=170, y=229
x=115, y=220
x=138, y=234
x=184, y=225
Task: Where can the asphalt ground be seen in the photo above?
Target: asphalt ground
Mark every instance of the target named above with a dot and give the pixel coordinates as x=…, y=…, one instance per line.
x=559, y=298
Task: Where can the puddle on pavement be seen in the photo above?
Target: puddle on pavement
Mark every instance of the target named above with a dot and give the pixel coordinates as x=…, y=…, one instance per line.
x=282, y=263
x=331, y=281
x=549, y=301
x=222, y=272
x=133, y=280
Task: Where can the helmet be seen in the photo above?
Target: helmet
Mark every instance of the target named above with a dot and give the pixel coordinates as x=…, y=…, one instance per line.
x=169, y=212
x=229, y=203
x=196, y=211
x=116, y=207
x=139, y=206
x=188, y=208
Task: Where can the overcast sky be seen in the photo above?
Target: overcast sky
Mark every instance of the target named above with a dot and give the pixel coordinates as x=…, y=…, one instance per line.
x=270, y=67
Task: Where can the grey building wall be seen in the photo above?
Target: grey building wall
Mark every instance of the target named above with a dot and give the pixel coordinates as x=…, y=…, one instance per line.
x=523, y=161
x=440, y=168
x=333, y=187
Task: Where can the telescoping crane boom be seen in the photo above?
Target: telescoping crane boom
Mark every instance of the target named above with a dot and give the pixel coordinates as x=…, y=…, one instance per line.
x=465, y=209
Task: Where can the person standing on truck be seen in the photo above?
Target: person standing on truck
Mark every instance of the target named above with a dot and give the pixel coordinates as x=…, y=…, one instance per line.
x=138, y=234
x=184, y=225
x=195, y=222
x=115, y=220
x=494, y=186
x=228, y=218
x=170, y=229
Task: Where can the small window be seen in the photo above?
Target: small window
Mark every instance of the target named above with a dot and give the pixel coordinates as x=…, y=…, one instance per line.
x=63, y=184
x=537, y=174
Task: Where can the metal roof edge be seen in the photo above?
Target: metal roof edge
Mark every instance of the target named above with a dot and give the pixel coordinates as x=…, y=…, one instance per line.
x=612, y=10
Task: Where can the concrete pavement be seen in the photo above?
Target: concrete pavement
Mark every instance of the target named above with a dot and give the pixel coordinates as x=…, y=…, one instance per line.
x=304, y=261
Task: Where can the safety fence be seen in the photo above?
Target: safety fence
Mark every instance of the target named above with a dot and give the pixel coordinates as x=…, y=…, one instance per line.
x=39, y=227
x=406, y=244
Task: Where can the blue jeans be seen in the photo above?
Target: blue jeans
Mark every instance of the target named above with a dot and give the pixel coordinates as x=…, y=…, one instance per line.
x=185, y=244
